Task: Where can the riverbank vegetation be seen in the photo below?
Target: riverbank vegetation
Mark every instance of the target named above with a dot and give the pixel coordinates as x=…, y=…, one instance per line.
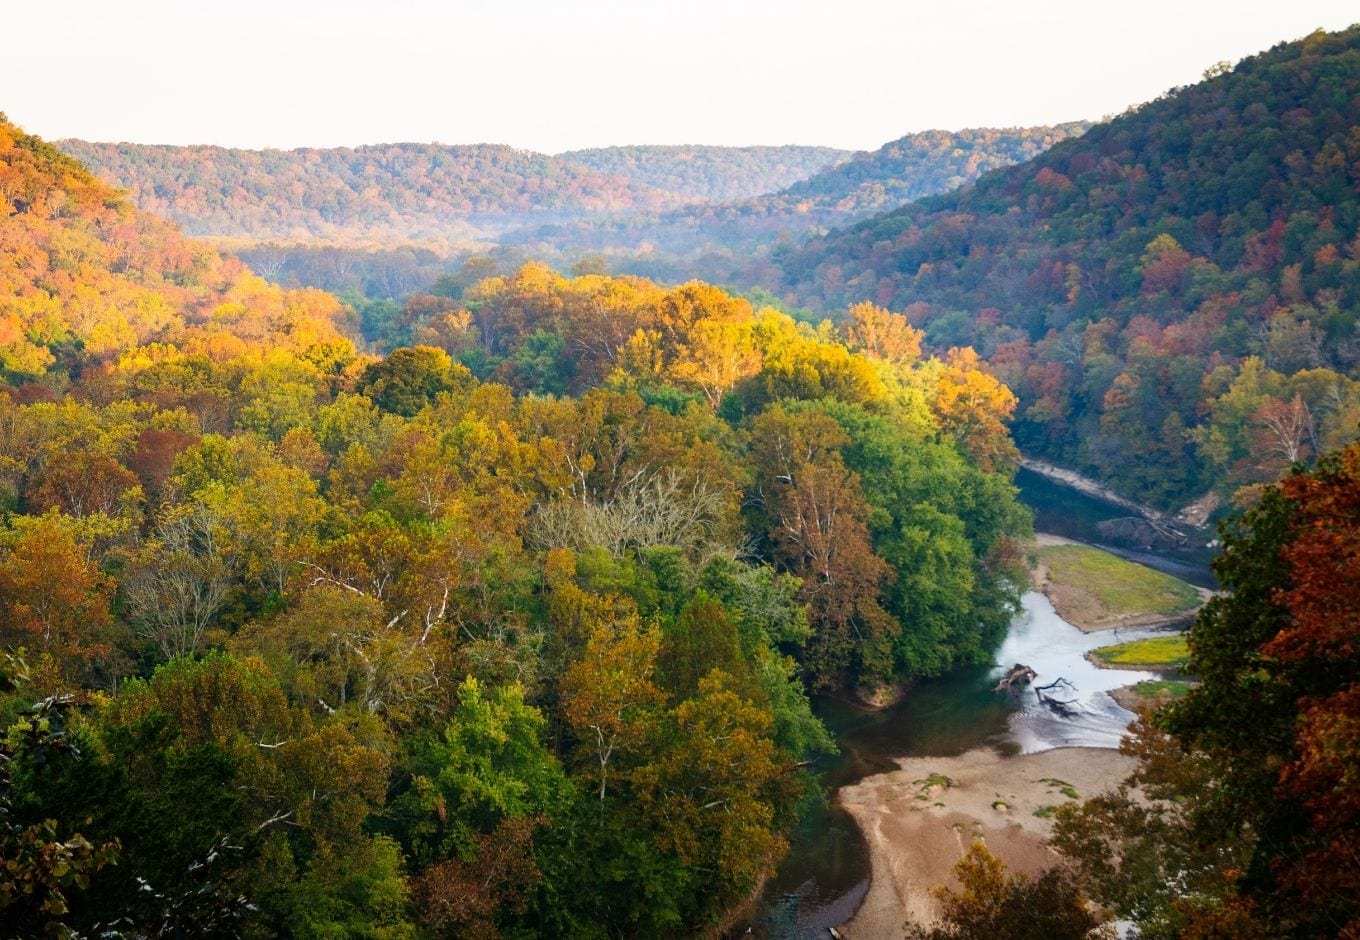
x=1149, y=653
x=303, y=641
x=1096, y=590
x=1241, y=817
x=1151, y=692
x=991, y=902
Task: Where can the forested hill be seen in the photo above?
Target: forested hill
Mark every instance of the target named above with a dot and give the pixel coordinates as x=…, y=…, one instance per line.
x=676, y=202
x=711, y=174
x=441, y=195
x=1173, y=295
x=727, y=240
x=916, y=166
x=382, y=194
x=86, y=279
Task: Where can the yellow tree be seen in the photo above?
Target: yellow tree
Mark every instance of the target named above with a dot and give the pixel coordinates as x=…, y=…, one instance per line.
x=714, y=357
x=272, y=519
x=974, y=407
x=608, y=695
x=677, y=312
x=882, y=334
x=52, y=597
x=710, y=793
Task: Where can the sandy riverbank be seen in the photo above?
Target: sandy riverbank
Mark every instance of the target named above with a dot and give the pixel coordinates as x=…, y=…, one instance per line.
x=1078, y=605
x=917, y=831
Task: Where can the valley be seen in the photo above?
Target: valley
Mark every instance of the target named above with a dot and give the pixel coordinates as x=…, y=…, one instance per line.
x=949, y=539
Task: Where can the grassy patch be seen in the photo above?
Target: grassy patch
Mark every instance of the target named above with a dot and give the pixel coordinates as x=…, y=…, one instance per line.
x=1045, y=812
x=1154, y=651
x=1100, y=587
x=928, y=785
x=1062, y=786
x=1161, y=688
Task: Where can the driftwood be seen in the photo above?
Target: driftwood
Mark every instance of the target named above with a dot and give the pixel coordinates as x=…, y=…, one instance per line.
x=1057, y=705
x=1018, y=675
x=1143, y=533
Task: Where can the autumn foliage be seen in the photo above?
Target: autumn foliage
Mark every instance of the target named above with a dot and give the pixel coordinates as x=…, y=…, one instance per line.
x=1249, y=808
x=395, y=646
x=1172, y=295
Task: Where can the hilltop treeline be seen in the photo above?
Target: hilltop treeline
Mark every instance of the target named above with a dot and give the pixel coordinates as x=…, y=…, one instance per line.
x=365, y=196
x=730, y=240
x=711, y=174
x=672, y=212
x=441, y=196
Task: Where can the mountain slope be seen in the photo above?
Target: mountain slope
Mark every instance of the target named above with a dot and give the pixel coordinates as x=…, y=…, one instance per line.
x=85, y=278
x=711, y=174
x=723, y=238
x=1174, y=295
x=919, y=165
x=379, y=194
x=680, y=200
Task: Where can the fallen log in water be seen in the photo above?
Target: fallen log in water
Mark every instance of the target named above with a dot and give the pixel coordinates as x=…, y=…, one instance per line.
x=1018, y=675
x=1057, y=705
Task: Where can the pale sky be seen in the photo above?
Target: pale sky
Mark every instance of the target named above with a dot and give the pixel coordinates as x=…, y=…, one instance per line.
x=554, y=75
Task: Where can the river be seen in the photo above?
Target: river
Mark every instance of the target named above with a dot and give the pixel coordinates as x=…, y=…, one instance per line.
x=825, y=875
x=1064, y=511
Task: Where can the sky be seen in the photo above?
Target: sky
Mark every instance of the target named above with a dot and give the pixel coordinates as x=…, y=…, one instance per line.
x=555, y=75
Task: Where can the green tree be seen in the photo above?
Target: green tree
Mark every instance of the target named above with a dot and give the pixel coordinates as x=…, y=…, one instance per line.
x=410, y=378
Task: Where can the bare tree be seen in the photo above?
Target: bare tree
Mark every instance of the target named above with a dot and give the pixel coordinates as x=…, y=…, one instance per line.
x=648, y=510
x=176, y=584
x=1286, y=429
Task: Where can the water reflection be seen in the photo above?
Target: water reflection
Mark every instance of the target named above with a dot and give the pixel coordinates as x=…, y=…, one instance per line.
x=1056, y=650
x=1072, y=514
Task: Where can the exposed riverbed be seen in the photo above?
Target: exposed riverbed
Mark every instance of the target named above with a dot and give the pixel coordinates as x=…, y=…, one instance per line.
x=921, y=818
x=826, y=876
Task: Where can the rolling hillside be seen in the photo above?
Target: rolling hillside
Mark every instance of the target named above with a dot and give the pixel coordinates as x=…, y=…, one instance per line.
x=375, y=195
x=1174, y=295
x=712, y=174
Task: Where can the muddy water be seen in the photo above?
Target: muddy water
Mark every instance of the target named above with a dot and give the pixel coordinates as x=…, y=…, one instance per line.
x=826, y=874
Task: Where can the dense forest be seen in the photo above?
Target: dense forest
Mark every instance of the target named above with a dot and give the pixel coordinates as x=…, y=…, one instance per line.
x=729, y=240
x=303, y=641
x=913, y=167
x=1173, y=295
x=386, y=222
x=445, y=196
x=441, y=196
x=458, y=542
